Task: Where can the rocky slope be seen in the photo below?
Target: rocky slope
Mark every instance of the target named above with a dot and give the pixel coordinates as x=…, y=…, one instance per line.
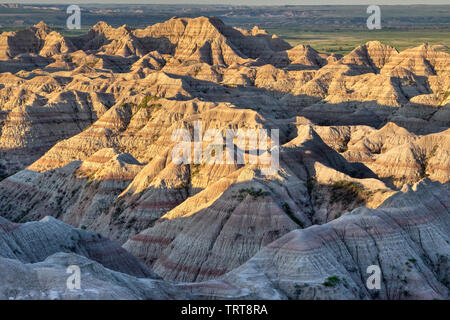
x=35, y=241
x=407, y=237
x=81, y=80
x=86, y=127
x=47, y=280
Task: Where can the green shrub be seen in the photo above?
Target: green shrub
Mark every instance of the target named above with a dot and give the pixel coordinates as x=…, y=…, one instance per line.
x=332, y=281
x=146, y=102
x=446, y=95
x=310, y=185
x=291, y=215
x=254, y=193
x=347, y=192
x=342, y=149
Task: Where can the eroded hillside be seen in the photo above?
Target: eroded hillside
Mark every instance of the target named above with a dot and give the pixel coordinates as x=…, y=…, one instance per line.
x=86, y=136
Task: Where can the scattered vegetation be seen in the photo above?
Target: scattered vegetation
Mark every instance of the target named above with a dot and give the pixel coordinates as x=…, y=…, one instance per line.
x=446, y=95
x=131, y=104
x=342, y=149
x=299, y=288
x=291, y=215
x=347, y=192
x=183, y=185
x=131, y=222
x=254, y=193
x=118, y=209
x=332, y=281
x=147, y=103
x=195, y=169
x=310, y=185
x=425, y=162
x=92, y=63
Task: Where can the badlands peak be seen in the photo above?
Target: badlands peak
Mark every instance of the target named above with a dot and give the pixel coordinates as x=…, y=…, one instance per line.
x=43, y=26
x=256, y=30
x=86, y=130
x=207, y=39
x=372, y=55
x=101, y=26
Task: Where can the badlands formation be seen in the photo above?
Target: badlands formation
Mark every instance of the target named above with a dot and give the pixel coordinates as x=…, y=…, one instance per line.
x=86, y=144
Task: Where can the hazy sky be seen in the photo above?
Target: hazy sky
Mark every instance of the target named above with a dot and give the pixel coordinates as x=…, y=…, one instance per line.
x=240, y=2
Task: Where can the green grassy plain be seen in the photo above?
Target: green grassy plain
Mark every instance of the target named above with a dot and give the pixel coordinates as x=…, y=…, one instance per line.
x=328, y=28
x=344, y=41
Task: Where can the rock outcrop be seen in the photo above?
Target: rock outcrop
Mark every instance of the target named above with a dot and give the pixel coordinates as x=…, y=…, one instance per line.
x=87, y=129
x=406, y=237
x=47, y=280
x=33, y=242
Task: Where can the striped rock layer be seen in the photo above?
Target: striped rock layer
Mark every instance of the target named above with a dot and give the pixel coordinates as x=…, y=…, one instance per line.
x=86, y=128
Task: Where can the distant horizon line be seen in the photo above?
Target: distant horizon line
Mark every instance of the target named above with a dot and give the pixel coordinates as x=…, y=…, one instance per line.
x=222, y=4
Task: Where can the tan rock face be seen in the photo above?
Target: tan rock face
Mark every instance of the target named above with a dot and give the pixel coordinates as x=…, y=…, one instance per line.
x=223, y=226
x=39, y=39
x=86, y=125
